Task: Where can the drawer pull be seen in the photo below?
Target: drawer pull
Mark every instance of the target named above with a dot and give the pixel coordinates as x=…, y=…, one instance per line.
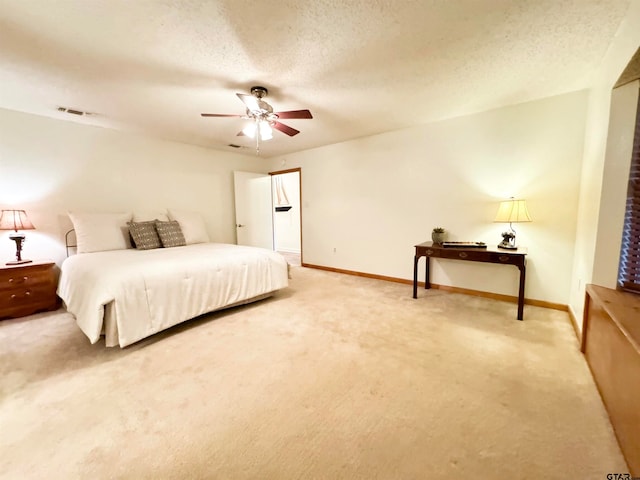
x=463, y=255
x=21, y=280
x=429, y=252
x=503, y=258
x=26, y=294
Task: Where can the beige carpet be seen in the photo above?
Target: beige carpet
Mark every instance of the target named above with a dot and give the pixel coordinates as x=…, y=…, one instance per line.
x=337, y=377
x=292, y=259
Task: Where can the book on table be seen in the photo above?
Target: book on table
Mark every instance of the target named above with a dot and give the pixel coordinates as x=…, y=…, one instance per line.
x=464, y=244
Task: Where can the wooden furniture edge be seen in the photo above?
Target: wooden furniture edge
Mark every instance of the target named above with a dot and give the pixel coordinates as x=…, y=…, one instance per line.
x=596, y=291
x=585, y=322
x=612, y=357
x=447, y=288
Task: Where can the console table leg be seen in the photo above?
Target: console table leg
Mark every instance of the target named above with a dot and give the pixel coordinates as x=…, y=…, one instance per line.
x=521, y=293
x=427, y=281
x=415, y=276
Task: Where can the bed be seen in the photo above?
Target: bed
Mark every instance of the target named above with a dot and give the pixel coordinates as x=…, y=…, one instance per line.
x=130, y=294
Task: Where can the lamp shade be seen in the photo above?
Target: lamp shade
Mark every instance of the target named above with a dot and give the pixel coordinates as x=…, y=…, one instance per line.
x=15, y=220
x=513, y=211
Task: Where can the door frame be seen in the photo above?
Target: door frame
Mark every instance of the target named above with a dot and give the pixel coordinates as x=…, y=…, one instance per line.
x=292, y=170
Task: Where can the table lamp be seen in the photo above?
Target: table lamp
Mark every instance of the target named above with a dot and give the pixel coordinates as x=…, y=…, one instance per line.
x=512, y=211
x=16, y=220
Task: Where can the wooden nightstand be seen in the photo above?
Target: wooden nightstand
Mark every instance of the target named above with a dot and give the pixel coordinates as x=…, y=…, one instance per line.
x=27, y=288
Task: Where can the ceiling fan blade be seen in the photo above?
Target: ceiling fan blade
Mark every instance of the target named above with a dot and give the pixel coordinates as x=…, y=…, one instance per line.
x=219, y=115
x=250, y=101
x=295, y=114
x=285, y=129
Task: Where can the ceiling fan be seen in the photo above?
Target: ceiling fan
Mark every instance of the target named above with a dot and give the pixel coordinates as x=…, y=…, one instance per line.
x=263, y=117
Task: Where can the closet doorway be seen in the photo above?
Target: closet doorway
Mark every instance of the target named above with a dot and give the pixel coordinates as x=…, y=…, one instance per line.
x=287, y=214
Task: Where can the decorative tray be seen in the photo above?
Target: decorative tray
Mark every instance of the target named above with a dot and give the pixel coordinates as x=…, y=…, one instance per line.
x=464, y=244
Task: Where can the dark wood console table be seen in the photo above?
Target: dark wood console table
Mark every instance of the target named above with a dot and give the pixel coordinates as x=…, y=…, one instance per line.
x=488, y=255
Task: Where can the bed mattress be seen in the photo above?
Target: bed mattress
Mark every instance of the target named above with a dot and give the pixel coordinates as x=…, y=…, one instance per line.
x=131, y=294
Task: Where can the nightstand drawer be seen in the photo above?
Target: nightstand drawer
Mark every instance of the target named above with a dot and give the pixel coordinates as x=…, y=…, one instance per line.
x=24, y=279
x=26, y=294
x=27, y=299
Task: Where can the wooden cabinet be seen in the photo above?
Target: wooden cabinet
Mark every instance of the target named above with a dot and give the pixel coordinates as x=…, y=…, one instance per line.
x=611, y=345
x=27, y=288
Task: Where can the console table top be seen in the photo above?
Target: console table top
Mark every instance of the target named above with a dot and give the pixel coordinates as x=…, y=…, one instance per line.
x=490, y=248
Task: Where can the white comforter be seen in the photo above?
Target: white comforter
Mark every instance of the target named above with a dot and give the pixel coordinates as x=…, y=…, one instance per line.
x=137, y=293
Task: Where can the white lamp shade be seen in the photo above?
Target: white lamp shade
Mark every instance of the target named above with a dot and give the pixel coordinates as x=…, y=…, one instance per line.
x=513, y=211
x=15, y=220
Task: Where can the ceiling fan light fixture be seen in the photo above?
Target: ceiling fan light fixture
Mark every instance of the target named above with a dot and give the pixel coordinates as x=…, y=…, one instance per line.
x=262, y=119
x=250, y=130
x=261, y=128
x=266, y=133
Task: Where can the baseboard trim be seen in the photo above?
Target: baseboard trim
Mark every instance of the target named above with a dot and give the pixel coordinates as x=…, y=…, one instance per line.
x=360, y=274
x=446, y=288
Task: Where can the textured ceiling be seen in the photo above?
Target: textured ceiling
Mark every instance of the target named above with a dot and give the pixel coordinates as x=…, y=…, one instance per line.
x=361, y=67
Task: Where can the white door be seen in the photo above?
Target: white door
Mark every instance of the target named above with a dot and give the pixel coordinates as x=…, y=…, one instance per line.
x=254, y=223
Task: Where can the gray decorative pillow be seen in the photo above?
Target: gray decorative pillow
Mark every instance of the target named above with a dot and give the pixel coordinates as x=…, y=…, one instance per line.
x=144, y=235
x=170, y=234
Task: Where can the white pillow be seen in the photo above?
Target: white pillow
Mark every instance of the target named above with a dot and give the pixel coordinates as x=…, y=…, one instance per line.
x=192, y=226
x=98, y=232
x=150, y=215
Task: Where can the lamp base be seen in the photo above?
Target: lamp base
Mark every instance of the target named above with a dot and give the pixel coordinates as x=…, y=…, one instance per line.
x=19, y=239
x=508, y=239
x=18, y=262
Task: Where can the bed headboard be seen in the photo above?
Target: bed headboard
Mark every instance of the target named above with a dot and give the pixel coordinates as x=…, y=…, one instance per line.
x=70, y=240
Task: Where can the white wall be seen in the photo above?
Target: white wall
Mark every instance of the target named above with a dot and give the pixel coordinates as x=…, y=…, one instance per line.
x=615, y=177
x=589, y=200
x=367, y=202
x=48, y=167
x=591, y=205
x=286, y=225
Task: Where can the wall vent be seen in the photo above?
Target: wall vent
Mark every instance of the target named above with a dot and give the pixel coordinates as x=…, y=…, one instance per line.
x=72, y=111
